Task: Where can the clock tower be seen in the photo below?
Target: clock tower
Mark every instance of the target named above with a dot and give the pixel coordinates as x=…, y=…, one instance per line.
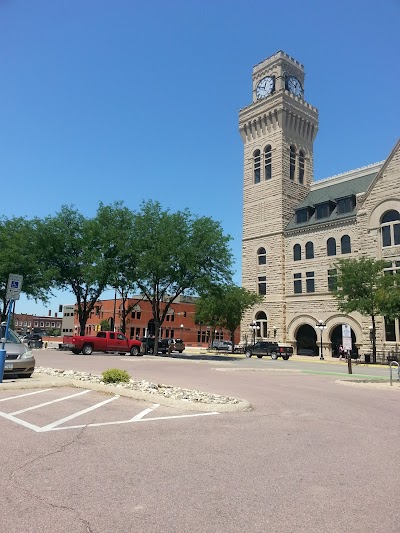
x=278, y=130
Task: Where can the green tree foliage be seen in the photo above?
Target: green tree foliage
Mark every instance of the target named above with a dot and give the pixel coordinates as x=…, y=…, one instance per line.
x=78, y=253
x=105, y=325
x=360, y=286
x=225, y=306
x=117, y=222
x=177, y=253
x=21, y=254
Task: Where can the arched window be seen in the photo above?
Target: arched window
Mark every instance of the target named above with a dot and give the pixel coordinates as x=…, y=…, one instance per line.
x=261, y=319
x=390, y=228
x=301, y=166
x=296, y=252
x=262, y=256
x=331, y=246
x=345, y=244
x=257, y=166
x=292, y=161
x=268, y=162
x=309, y=250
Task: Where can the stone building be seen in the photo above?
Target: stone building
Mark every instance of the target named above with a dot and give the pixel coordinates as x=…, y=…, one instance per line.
x=295, y=229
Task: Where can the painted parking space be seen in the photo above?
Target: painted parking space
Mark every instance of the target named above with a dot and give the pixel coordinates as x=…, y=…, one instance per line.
x=60, y=409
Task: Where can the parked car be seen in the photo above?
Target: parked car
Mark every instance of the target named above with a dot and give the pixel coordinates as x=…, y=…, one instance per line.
x=148, y=344
x=173, y=345
x=177, y=345
x=224, y=346
x=19, y=358
x=273, y=349
x=240, y=348
x=33, y=340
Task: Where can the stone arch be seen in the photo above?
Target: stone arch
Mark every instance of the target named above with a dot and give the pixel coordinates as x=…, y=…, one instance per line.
x=380, y=209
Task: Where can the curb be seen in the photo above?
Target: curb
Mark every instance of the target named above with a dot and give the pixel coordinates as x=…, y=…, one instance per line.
x=242, y=405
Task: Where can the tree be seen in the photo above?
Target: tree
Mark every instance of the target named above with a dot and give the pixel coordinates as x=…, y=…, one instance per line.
x=118, y=223
x=359, y=287
x=225, y=306
x=21, y=254
x=78, y=254
x=177, y=253
x=105, y=325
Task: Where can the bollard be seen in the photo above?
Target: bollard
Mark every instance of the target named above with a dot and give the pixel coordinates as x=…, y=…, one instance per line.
x=2, y=363
x=349, y=368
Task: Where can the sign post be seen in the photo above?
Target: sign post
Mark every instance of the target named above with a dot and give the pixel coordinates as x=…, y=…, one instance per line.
x=14, y=286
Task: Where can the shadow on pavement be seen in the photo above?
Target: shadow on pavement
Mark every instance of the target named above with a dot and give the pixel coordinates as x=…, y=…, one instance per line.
x=200, y=357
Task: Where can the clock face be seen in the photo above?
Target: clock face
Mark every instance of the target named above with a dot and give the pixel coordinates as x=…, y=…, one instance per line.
x=294, y=86
x=265, y=87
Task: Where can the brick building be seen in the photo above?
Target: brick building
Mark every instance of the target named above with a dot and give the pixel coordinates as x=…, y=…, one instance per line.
x=294, y=229
x=179, y=322
x=45, y=325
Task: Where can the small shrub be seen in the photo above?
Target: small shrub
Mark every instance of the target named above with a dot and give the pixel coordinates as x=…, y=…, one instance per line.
x=115, y=375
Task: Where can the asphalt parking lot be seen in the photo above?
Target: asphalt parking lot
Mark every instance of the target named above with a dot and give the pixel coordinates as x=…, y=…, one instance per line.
x=313, y=455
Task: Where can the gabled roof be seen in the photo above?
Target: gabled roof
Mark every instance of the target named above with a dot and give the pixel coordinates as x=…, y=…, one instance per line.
x=330, y=189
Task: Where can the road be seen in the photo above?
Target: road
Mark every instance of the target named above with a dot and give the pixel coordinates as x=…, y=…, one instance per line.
x=313, y=455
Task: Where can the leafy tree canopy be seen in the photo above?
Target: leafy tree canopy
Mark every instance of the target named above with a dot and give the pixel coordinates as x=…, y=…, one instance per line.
x=359, y=285
x=78, y=253
x=225, y=306
x=177, y=253
x=362, y=286
x=21, y=253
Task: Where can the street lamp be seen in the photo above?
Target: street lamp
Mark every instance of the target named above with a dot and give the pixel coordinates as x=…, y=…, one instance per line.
x=321, y=326
x=181, y=330
x=254, y=327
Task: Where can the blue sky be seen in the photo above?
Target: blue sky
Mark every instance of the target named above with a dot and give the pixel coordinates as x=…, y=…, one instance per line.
x=105, y=100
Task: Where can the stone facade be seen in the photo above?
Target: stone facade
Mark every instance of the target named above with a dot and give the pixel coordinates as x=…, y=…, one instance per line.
x=284, y=210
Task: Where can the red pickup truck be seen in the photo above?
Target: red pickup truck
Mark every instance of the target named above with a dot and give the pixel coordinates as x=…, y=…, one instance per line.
x=104, y=341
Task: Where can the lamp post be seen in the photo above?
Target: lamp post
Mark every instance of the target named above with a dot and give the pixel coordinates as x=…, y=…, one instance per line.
x=254, y=327
x=181, y=330
x=321, y=326
x=372, y=338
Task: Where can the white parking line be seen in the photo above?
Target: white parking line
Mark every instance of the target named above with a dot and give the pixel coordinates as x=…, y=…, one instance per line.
x=131, y=421
x=75, y=415
x=145, y=412
x=22, y=395
x=49, y=403
x=20, y=422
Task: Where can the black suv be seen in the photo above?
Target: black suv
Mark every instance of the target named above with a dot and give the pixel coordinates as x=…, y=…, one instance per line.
x=273, y=349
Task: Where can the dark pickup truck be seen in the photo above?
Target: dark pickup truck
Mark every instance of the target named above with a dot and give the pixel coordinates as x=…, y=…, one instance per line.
x=273, y=349
x=164, y=345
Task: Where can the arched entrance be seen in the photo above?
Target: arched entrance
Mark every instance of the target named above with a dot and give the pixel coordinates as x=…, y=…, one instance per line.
x=337, y=340
x=306, y=339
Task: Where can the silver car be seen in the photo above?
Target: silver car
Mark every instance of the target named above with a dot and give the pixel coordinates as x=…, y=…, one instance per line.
x=19, y=357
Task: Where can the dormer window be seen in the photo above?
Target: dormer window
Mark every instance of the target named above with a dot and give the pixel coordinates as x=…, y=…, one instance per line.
x=324, y=210
x=346, y=205
x=304, y=214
